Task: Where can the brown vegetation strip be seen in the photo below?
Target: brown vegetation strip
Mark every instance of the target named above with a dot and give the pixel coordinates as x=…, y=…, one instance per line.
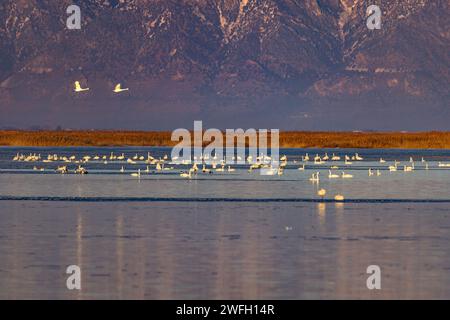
x=420, y=140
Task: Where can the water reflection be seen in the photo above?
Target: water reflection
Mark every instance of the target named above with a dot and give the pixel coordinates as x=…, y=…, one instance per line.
x=79, y=241
x=321, y=212
x=120, y=254
x=224, y=250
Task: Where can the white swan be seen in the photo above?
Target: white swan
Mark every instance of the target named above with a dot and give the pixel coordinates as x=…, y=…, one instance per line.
x=332, y=175
x=138, y=174
x=268, y=171
x=346, y=175
x=317, y=159
x=62, y=170
x=322, y=193
x=118, y=88
x=315, y=177
x=78, y=87
x=335, y=158
x=187, y=175
x=280, y=171
x=394, y=167
x=443, y=165
x=80, y=170
x=195, y=167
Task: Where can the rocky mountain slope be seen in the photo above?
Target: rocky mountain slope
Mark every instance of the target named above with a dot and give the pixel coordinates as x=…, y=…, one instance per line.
x=289, y=64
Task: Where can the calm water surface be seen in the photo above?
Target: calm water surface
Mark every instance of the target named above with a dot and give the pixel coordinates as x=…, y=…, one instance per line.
x=147, y=249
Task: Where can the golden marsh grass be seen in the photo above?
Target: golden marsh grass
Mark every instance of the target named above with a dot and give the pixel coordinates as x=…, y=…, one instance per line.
x=289, y=139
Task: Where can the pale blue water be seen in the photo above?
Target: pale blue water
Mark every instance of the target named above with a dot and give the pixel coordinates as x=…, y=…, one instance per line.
x=17, y=179
x=226, y=235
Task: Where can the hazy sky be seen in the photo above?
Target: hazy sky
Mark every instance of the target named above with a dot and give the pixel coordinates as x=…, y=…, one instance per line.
x=298, y=66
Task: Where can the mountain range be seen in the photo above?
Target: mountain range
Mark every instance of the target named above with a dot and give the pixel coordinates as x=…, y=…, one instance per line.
x=287, y=64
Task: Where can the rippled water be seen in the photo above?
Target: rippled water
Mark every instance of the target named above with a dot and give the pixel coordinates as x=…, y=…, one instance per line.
x=20, y=180
x=206, y=245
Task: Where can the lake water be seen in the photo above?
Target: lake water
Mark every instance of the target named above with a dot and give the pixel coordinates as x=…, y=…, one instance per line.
x=230, y=235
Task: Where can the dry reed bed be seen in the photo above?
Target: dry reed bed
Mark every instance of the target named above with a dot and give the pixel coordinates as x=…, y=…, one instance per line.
x=420, y=140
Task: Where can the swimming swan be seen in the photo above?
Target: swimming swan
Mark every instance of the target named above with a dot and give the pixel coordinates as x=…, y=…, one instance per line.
x=315, y=177
x=332, y=175
x=322, y=193
x=138, y=174
x=346, y=175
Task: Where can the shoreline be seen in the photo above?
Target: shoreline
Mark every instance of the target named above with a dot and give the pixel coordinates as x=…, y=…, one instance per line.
x=288, y=139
